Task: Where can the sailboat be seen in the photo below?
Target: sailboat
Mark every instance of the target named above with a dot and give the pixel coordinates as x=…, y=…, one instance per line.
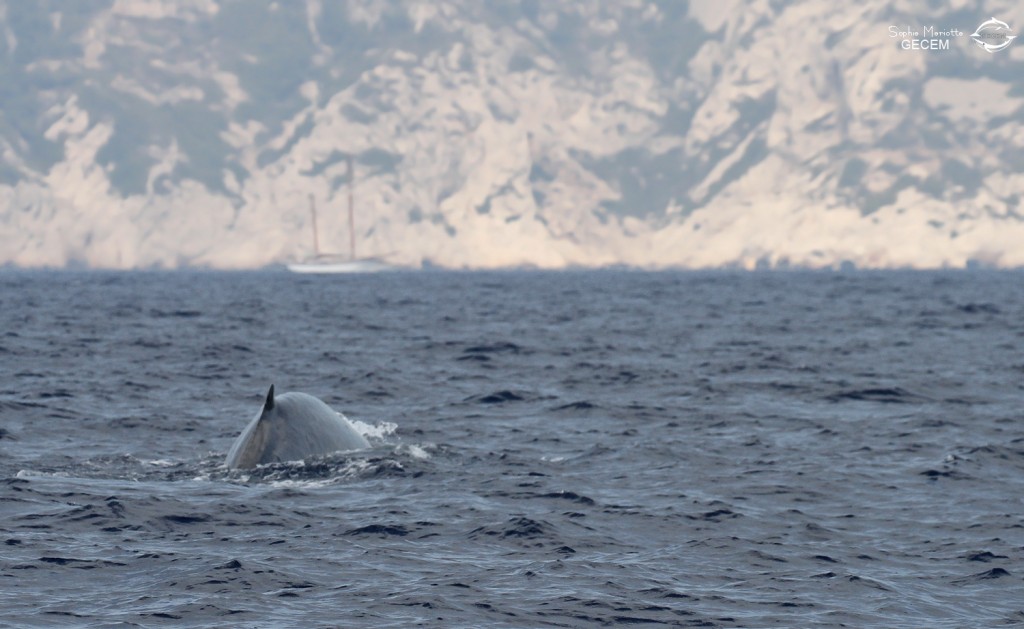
x=322, y=262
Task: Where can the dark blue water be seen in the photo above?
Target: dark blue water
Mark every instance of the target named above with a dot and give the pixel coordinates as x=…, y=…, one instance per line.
x=574, y=449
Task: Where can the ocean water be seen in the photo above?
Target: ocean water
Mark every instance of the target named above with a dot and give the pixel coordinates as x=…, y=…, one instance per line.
x=549, y=450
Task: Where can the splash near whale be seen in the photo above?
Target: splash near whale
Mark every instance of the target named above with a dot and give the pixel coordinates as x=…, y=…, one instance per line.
x=291, y=427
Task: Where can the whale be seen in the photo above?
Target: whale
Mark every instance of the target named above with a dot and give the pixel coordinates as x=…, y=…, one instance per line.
x=291, y=427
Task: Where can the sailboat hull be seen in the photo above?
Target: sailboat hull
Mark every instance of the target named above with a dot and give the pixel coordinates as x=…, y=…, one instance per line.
x=347, y=266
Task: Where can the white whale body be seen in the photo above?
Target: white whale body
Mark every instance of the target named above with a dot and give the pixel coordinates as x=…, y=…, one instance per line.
x=290, y=427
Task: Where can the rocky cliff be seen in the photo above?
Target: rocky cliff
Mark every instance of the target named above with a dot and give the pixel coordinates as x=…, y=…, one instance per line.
x=170, y=133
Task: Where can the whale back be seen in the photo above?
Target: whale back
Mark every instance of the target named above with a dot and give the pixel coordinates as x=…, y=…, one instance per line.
x=290, y=427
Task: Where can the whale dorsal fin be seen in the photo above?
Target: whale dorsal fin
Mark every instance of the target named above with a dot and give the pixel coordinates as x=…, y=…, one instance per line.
x=269, y=404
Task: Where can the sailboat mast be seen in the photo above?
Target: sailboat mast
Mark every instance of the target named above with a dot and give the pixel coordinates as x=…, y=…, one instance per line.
x=351, y=213
x=316, y=235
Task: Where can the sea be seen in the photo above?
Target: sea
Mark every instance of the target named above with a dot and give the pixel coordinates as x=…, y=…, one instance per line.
x=549, y=449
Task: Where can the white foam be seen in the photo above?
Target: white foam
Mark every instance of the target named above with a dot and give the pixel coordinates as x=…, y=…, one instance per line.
x=371, y=431
x=303, y=483
x=37, y=474
x=415, y=451
x=160, y=463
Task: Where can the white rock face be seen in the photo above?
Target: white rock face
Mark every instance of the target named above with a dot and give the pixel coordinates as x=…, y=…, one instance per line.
x=171, y=133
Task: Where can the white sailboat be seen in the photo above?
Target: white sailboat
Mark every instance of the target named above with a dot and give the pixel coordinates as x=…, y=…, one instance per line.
x=322, y=262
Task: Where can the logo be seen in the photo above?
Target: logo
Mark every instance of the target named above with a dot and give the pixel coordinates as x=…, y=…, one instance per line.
x=993, y=35
x=928, y=38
